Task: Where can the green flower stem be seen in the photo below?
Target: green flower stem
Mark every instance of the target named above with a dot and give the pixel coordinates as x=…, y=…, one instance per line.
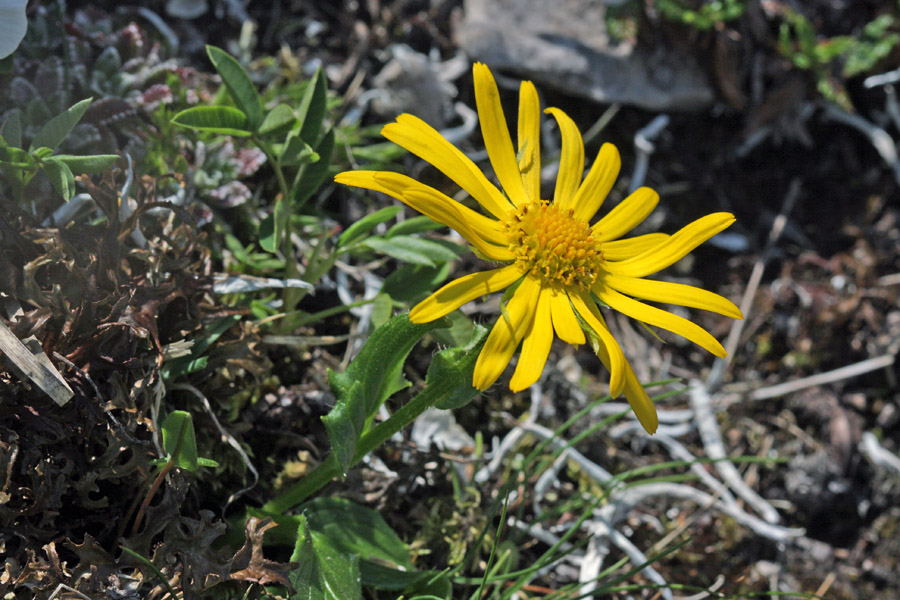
x=276, y=165
x=328, y=469
x=289, y=298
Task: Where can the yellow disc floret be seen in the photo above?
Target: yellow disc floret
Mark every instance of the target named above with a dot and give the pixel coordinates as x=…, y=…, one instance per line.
x=553, y=245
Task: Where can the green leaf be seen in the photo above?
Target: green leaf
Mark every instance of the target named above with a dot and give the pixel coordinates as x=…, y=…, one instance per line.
x=380, y=577
x=382, y=310
x=411, y=283
x=310, y=180
x=295, y=152
x=413, y=226
x=373, y=376
x=459, y=333
x=312, y=107
x=242, y=90
x=282, y=213
x=268, y=237
x=455, y=366
x=179, y=440
x=355, y=529
x=272, y=228
x=87, y=164
x=60, y=176
x=279, y=120
x=11, y=131
x=359, y=229
x=56, y=129
x=323, y=572
x=15, y=157
x=410, y=249
x=215, y=119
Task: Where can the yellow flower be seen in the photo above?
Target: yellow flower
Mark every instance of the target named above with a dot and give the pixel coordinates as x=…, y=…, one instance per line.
x=561, y=264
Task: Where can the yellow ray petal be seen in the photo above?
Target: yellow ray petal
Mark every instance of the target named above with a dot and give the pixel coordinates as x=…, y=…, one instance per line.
x=596, y=185
x=673, y=293
x=588, y=311
x=564, y=321
x=420, y=138
x=496, y=135
x=530, y=139
x=571, y=161
x=505, y=335
x=673, y=250
x=636, y=395
x=627, y=215
x=478, y=230
x=659, y=318
x=463, y=290
x=630, y=247
x=535, y=346
x=426, y=202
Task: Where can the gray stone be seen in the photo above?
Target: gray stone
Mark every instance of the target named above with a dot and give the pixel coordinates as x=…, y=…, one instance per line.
x=564, y=45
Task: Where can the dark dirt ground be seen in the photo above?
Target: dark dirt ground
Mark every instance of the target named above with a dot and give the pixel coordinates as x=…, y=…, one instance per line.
x=828, y=298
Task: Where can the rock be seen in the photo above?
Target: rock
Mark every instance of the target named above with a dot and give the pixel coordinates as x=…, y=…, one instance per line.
x=563, y=44
x=413, y=82
x=439, y=427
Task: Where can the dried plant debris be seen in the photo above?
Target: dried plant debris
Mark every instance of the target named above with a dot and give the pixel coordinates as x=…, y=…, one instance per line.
x=107, y=314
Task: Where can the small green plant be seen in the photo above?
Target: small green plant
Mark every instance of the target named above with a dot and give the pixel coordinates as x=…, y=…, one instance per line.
x=833, y=60
x=19, y=166
x=180, y=445
x=296, y=143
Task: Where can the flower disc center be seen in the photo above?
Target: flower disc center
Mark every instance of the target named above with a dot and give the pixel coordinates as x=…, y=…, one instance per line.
x=553, y=245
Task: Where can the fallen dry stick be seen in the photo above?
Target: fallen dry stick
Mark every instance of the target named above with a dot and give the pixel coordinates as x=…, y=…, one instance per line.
x=33, y=364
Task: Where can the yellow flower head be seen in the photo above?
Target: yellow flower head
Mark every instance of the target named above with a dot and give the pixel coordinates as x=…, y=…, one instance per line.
x=562, y=264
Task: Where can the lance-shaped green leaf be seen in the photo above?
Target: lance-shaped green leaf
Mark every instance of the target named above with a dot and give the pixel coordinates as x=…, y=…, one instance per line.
x=56, y=129
x=355, y=529
x=87, y=164
x=242, y=90
x=226, y=120
x=358, y=230
x=413, y=225
x=180, y=442
x=418, y=251
x=323, y=572
x=273, y=226
x=370, y=379
x=11, y=130
x=60, y=175
x=15, y=157
x=295, y=152
x=278, y=121
x=411, y=283
x=311, y=111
